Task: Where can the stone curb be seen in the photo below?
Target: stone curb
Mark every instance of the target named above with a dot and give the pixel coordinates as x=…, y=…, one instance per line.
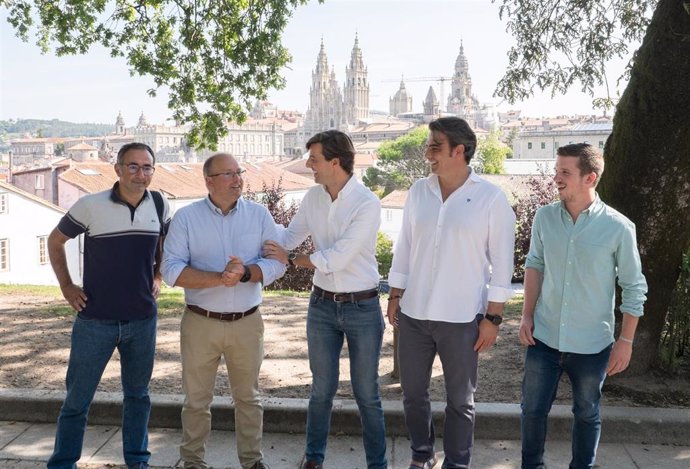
x=497, y=421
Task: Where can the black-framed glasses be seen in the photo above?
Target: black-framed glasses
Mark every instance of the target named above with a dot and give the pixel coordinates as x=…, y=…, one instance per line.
x=229, y=174
x=134, y=168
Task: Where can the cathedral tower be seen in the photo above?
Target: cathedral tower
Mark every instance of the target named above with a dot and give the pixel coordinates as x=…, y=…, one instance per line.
x=356, y=87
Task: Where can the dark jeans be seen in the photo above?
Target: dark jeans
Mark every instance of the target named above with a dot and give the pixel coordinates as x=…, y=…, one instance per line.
x=328, y=324
x=93, y=343
x=419, y=342
x=543, y=369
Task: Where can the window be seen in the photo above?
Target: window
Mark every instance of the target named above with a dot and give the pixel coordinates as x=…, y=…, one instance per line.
x=40, y=182
x=529, y=145
x=3, y=202
x=601, y=144
x=388, y=214
x=4, y=255
x=543, y=145
x=555, y=145
x=42, y=249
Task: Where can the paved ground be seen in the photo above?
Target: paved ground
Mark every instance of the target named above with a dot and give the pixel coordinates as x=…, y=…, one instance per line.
x=25, y=445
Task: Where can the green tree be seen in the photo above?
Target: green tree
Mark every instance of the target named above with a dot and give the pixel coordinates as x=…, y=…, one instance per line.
x=647, y=165
x=215, y=57
x=492, y=152
x=402, y=161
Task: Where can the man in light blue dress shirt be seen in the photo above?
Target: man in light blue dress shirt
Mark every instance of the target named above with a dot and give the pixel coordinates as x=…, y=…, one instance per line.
x=580, y=248
x=214, y=251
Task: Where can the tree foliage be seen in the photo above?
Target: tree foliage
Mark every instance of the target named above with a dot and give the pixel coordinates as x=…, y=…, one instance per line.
x=215, y=57
x=564, y=43
x=491, y=153
x=384, y=253
x=401, y=162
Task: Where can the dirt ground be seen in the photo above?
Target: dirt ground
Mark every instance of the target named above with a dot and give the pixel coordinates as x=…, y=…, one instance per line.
x=34, y=347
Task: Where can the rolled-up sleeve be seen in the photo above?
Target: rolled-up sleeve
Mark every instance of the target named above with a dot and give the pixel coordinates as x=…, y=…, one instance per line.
x=400, y=267
x=630, y=278
x=535, y=256
x=176, y=249
x=501, y=249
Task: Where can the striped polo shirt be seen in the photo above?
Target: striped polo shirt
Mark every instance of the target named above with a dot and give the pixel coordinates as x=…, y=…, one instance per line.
x=119, y=249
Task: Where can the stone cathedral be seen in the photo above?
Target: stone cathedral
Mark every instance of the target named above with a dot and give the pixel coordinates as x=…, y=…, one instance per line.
x=331, y=108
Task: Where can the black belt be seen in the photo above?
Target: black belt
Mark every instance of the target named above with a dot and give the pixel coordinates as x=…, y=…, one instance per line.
x=346, y=297
x=222, y=316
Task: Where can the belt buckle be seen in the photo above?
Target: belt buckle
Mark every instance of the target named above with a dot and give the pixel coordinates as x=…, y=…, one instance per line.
x=337, y=296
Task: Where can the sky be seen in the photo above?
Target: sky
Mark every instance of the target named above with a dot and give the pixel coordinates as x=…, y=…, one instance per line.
x=418, y=40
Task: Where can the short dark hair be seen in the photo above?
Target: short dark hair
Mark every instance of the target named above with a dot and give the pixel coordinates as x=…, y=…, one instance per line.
x=209, y=161
x=589, y=158
x=336, y=144
x=134, y=146
x=458, y=132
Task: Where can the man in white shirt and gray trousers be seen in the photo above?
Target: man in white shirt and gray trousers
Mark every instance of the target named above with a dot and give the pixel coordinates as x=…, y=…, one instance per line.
x=342, y=217
x=450, y=278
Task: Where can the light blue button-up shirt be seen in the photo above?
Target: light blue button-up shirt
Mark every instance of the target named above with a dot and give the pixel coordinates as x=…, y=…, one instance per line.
x=580, y=263
x=201, y=237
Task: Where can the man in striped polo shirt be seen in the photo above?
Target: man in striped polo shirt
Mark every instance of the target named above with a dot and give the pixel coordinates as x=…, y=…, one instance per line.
x=116, y=306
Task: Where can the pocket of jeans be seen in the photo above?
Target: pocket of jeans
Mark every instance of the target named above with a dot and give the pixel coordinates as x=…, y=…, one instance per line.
x=314, y=299
x=368, y=305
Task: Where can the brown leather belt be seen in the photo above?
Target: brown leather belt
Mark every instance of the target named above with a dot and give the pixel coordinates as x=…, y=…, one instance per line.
x=346, y=297
x=222, y=316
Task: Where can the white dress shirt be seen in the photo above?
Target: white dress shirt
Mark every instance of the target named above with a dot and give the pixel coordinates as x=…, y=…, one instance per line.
x=453, y=257
x=344, y=235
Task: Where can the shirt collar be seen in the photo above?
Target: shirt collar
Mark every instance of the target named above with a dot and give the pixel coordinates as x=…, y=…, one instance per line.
x=115, y=197
x=596, y=206
x=218, y=211
x=347, y=189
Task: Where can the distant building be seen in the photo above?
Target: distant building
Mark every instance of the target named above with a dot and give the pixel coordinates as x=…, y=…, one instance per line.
x=542, y=143
x=25, y=223
x=401, y=102
x=331, y=108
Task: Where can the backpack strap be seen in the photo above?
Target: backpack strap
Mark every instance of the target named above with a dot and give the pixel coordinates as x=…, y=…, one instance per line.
x=158, y=201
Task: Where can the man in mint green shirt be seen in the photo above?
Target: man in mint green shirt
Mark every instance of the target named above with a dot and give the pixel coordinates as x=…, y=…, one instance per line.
x=580, y=248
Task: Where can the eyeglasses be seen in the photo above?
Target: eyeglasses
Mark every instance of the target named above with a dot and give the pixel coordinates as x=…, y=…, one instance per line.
x=134, y=168
x=229, y=174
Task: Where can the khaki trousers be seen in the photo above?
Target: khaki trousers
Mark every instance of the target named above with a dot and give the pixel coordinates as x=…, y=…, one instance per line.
x=202, y=343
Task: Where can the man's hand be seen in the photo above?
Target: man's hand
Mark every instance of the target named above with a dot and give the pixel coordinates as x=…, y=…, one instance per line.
x=156, y=288
x=620, y=357
x=234, y=270
x=273, y=250
x=392, y=311
x=488, y=333
x=526, y=329
x=75, y=296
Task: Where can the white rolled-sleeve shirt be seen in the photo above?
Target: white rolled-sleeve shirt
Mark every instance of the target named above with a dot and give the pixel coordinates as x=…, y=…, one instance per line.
x=453, y=257
x=344, y=235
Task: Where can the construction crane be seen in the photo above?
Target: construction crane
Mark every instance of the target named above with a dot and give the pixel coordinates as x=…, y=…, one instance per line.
x=441, y=80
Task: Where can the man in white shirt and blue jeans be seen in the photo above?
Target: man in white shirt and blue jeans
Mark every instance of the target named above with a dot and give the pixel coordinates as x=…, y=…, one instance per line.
x=450, y=278
x=342, y=217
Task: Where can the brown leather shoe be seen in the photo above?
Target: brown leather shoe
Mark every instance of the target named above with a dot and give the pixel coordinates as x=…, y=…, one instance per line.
x=307, y=464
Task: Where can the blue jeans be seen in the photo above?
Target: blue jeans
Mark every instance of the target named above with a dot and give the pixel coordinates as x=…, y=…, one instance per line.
x=93, y=343
x=543, y=369
x=328, y=323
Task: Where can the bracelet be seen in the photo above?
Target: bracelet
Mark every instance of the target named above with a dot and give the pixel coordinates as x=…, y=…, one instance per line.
x=627, y=341
x=395, y=297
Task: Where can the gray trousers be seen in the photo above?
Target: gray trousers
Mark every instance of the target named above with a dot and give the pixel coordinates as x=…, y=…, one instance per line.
x=419, y=342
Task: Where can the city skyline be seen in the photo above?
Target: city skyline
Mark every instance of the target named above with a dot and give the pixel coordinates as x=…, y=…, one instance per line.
x=398, y=39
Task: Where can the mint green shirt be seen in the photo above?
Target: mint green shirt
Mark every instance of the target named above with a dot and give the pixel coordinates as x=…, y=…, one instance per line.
x=581, y=263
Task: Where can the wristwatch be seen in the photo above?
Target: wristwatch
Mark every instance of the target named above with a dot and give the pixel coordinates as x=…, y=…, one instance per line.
x=292, y=255
x=247, y=275
x=495, y=320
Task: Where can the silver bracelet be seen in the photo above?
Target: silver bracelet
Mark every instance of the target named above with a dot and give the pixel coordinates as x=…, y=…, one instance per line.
x=629, y=341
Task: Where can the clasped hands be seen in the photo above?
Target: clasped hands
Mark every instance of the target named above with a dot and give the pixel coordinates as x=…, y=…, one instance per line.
x=233, y=272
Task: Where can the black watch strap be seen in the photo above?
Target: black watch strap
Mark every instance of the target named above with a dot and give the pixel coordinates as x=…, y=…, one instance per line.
x=247, y=275
x=496, y=320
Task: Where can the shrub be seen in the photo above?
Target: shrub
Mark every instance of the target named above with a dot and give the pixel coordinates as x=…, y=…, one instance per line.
x=541, y=191
x=384, y=253
x=273, y=197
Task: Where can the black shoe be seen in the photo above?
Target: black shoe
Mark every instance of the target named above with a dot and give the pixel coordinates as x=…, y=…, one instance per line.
x=260, y=465
x=428, y=464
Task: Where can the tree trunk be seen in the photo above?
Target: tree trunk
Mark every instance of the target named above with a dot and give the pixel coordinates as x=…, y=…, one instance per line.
x=647, y=174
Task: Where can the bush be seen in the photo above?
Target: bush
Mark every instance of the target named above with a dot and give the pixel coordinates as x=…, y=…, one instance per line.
x=541, y=191
x=384, y=253
x=273, y=197
x=676, y=336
